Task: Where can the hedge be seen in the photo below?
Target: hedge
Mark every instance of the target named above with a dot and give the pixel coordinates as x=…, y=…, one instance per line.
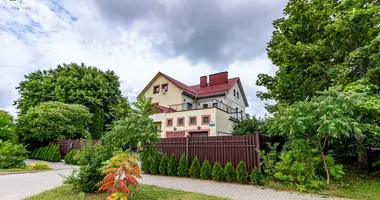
x=49, y=153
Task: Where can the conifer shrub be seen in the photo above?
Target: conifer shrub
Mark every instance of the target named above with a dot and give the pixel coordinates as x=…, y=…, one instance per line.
x=183, y=167
x=194, y=171
x=256, y=177
x=206, y=170
x=49, y=153
x=71, y=157
x=145, y=165
x=172, y=166
x=241, y=173
x=154, y=165
x=229, y=172
x=163, y=169
x=217, y=172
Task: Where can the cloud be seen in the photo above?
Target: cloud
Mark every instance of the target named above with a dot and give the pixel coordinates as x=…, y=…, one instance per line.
x=212, y=31
x=154, y=36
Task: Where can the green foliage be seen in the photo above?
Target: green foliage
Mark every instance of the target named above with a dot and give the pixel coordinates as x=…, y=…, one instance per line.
x=229, y=172
x=269, y=158
x=206, y=172
x=72, y=84
x=248, y=125
x=145, y=165
x=38, y=166
x=183, y=166
x=241, y=173
x=12, y=155
x=49, y=153
x=172, y=166
x=137, y=129
x=217, y=172
x=7, y=128
x=256, y=177
x=53, y=120
x=97, y=125
x=163, y=169
x=90, y=159
x=154, y=165
x=195, y=167
x=72, y=157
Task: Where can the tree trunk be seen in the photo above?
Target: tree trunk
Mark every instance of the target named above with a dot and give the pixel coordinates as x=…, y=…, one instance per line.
x=324, y=161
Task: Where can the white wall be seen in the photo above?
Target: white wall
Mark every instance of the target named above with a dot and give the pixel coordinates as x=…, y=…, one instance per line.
x=233, y=101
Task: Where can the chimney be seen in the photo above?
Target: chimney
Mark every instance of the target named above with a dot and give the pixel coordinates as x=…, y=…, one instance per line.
x=203, y=81
x=218, y=78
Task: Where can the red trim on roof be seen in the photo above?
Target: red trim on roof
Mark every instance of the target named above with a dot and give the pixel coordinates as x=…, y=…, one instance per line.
x=163, y=108
x=214, y=89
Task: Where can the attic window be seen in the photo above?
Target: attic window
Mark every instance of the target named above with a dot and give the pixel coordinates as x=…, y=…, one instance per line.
x=237, y=94
x=156, y=89
x=234, y=93
x=165, y=87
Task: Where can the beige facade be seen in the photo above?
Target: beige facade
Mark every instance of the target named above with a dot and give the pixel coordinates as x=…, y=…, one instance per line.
x=172, y=96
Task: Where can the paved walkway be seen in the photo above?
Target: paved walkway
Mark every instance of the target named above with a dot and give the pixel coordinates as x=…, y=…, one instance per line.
x=20, y=186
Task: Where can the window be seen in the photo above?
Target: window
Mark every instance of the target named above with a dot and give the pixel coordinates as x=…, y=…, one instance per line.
x=215, y=105
x=205, y=119
x=189, y=106
x=180, y=121
x=169, y=122
x=234, y=93
x=192, y=121
x=237, y=94
x=205, y=105
x=241, y=113
x=165, y=87
x=156, y=89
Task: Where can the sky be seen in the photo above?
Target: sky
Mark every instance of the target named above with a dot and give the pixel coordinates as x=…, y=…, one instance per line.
x=184, y=39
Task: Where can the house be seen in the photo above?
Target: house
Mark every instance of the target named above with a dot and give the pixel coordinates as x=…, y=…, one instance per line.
x=206, y=109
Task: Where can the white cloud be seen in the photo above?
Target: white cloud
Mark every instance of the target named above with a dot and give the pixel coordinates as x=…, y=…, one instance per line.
x=47, y=36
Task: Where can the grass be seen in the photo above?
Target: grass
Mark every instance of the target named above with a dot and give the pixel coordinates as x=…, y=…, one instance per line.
x=37, y=166
x=66, y=192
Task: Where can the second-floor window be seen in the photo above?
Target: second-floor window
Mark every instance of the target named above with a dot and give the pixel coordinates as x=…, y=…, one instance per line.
x=156, y=89
x=205, y=105
x=192, y=121
x=205, y=119
x=180, y=121
x=215, y=105
x=165, y=87
x=169, y=122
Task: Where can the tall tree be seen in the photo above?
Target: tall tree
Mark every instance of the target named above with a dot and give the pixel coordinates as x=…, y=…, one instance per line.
x=73, y=83
x=7, y=131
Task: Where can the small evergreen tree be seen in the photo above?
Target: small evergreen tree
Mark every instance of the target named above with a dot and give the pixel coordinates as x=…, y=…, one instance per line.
x=229, y=172
x=145, y=165
x=217, y=172
x=183, y=166
x=206, y=170
x=172, y=166
x=241, y=173
x=164, y=165
x=154, y=165
x=256, y=177
x=195, y=168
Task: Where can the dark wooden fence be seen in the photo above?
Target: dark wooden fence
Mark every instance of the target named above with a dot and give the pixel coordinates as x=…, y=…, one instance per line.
x=66, y=145
x=220, y=149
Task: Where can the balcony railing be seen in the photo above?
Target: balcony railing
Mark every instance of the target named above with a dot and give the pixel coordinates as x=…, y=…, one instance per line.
x=236, y=115
x=206, y=104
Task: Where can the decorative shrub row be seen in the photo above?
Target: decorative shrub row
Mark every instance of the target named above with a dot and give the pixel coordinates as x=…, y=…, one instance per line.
x=71, y=157
x=205, y=171
x=49, y=153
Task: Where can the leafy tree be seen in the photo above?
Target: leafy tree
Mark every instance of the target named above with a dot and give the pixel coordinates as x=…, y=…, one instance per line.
x=73, y=84
x=229, y=172
x=121, y=110
x=241, y=173
x=206, y=172
x=195, y=168
x=183, y=166
x=53, y=120
x=7, y=127
x=247, y=125
x=217, y=172
x=172, y=165
x=163, y=169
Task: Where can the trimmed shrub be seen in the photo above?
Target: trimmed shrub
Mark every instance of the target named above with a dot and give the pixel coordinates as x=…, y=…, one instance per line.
x=206, y=170
x=145, y=165
x=217, y=172
x=71, y=157
x=229, y=172
x=38, y=166
x=256, y=177
x=154, y=165
x=241, y=173
x=163, y=169
x=12, y=155
x=172, y=166
x=49, y=153
x=194, y=171
x=183, y=166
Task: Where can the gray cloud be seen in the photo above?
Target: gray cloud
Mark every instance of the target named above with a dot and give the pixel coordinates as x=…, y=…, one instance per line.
x=212, y=31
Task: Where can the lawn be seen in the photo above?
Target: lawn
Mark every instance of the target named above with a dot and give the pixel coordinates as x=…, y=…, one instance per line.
x=66, y=192
x=22, y=170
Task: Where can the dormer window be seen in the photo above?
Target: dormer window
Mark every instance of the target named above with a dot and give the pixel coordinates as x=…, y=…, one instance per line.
x=165, y=87
x=156, y=89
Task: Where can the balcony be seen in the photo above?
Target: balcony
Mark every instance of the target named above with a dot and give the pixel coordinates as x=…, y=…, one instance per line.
x=207, y=104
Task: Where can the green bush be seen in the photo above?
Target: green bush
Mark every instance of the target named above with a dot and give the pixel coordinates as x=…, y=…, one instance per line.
x=154, y=165
x=145, y=165
x=183, y=166
x=38, y=166
x=71, y=157
x=206, y=170
x=229, y=172
x=269, y=158
x=256, y=177
x=90, y=159
x=217, y=172
x=194, y=171
x=12, y=155
x=49, y=153
x=241, y=173
x=164, y=165
x=172, y=166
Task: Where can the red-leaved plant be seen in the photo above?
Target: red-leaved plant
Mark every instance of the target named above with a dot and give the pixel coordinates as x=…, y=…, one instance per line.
x=122, y=171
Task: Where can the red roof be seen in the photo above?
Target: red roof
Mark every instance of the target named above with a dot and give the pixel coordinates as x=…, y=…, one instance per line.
x=163, y=108
x=179, y=84
x=214, y=89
